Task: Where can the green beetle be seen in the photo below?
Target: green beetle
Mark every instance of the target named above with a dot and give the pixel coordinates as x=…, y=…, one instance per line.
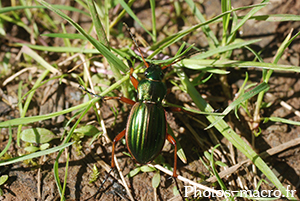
x=146, y=129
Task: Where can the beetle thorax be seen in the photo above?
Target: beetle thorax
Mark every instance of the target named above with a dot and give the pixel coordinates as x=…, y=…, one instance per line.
x=152, y=89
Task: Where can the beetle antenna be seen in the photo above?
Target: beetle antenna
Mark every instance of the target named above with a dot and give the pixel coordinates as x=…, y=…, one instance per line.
x=108, y=174
x=75, y=67
x=136, y=45
x=178, y=189
x=164, y=67
x=94, y=196
x=87, y=91
x=180, y=58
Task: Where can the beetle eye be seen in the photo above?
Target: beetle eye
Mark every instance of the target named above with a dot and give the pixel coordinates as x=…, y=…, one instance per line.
x=161, y=75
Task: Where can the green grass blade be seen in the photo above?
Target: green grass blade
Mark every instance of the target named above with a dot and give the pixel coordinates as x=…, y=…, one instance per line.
x=246, y=17
x=66, y=178
x=121, y=15
x=215, y=172
x=98, y=25
x=34, y=155
x=103, y=39
x=226, y=6
x=8, y=143
x=60, y=49
x=32, y=119
x=16, y=22
x=198, y=64
x=67, y=42
x=56, y=175
x=65, y=35
x=257, y=56
x=67, y=139
x=20, y=103
x=180, y=152
x=246, y=96
x=267, y=75
x=288, y=40
x=39, y=59
x=36, y=87
x=159, y=46
x=134, y=17
x=2, y=29
x=154, y=34
x=282, y=120
x=276, y=17
x=212, y=39
x=61, y=7
x=234, y=45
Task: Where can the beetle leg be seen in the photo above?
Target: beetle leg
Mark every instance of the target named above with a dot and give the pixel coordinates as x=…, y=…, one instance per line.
x=173, y=142
x=121, y=98
x=133, y=80
x=178, y=109
x=117, y=138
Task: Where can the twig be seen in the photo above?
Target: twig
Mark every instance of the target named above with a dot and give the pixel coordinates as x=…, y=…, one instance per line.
x=33, y=69
x=283, y=104
x=123, y=179
x=181, y=178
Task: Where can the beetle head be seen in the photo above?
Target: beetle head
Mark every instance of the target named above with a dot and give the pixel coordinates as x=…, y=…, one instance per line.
x=154, y=72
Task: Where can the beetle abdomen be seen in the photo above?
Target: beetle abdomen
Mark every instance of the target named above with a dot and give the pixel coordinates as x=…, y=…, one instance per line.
x=146, y=131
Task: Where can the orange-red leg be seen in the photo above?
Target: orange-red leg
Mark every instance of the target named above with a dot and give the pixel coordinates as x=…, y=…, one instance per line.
x=178, y=109
x=121, y=98
x=117, y=138
x=134, y=81
x=173, y=142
